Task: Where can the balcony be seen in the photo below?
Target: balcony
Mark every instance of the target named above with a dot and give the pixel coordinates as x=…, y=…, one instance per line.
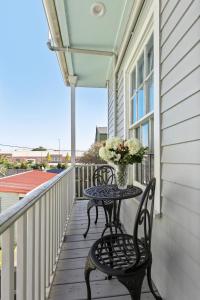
x=43, y=249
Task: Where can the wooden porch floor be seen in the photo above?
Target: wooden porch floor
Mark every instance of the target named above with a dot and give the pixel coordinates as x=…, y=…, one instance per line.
x=69, y=281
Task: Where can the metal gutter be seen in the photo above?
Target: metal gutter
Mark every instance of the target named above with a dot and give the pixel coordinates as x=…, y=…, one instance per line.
x=52, y=19
x=79, y=50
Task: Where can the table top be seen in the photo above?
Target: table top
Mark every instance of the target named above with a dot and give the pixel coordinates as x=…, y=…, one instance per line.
x=111, y=192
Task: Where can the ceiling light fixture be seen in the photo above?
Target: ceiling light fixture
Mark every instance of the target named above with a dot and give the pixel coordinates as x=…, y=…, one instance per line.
x=97, y=9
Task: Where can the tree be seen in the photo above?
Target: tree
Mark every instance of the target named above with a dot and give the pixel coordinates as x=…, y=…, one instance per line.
x=40, y=148
x=49, y=157
x=67, y=158
x=92, y=155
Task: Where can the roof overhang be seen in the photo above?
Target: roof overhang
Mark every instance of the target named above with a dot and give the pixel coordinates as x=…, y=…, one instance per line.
x=86, y=45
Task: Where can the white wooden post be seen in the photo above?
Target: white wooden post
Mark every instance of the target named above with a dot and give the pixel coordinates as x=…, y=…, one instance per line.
x=73, y=80
x=21, y=257
x=157, y=130
x=7, y=271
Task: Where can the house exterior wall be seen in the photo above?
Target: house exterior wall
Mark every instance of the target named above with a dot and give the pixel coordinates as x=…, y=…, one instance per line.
x=7, y=200
x=176, y=238
x=111, y=107
x=120, y=103
x=178, y=232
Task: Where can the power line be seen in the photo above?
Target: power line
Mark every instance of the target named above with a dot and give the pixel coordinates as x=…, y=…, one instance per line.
x=31, y=148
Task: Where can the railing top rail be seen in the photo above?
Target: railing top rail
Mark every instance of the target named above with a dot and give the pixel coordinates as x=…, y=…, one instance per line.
x=13, y=213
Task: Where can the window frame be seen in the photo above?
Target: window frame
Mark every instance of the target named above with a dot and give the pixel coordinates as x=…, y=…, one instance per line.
x=144, y=84
x=148, y=116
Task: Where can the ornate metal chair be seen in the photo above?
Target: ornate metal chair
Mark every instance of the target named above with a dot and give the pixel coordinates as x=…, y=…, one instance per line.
x=128, y=257
x=103, y=175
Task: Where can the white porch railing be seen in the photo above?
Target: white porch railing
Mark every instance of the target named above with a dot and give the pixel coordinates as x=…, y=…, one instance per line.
x=83, y=177
x=143, y=172
x=34, y=228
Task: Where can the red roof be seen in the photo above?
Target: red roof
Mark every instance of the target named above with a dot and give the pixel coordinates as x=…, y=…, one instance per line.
x=24, y=182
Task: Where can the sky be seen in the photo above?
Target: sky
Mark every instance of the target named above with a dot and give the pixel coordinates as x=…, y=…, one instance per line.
x=34, y=102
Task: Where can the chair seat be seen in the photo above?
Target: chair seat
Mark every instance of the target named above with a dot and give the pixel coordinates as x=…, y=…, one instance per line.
x=116, y=254
x=93, y=202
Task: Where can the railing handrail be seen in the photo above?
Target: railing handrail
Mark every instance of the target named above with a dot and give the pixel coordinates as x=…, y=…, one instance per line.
x=13, y=213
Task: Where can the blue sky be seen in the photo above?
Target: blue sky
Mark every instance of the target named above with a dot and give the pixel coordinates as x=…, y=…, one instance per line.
x=34, y=102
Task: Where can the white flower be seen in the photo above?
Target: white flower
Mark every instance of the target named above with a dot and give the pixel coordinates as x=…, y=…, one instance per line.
x=105, y=154
x=134, y=145
x=113, y=143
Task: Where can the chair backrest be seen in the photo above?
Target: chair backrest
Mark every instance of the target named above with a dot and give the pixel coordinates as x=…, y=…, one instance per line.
x=144, y=220
x=104, y=174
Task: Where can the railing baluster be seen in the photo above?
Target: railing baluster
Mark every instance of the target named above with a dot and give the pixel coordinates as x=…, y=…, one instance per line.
x=21, y=257
x=83, y=180
x=37, y=248
x=54, y=227
x=7, y=271
x=31, y=254
x=87, y=177
x=43, y=249
x=51, y=231
x=79, y=182
x=48, y=238
x=91, y=172
x=40, y=220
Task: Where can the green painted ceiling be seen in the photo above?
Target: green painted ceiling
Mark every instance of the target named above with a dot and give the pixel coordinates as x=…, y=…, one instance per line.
x=79, y=29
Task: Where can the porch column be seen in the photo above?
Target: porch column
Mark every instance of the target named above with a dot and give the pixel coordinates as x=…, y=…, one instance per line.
x=72, y=81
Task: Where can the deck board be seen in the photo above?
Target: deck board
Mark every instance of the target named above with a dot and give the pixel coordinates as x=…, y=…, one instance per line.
x=69, y=283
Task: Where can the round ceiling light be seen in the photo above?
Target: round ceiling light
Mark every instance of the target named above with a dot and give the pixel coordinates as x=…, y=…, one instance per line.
x=97, y=9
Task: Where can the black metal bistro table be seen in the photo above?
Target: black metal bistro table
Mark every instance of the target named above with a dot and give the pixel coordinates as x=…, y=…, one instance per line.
x=111, y=192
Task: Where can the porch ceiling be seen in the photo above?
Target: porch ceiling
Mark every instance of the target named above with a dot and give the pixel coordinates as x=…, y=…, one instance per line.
x=79, y=29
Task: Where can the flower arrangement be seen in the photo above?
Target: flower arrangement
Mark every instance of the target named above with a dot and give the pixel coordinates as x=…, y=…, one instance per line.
x=122, y=152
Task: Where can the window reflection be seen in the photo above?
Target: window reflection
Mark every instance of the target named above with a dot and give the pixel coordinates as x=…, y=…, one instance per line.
x=141, y=103
x=150, y=61
x=134, y=109
x=145, y=135
x=133, y=82
x=150, y=94
x=141, y=70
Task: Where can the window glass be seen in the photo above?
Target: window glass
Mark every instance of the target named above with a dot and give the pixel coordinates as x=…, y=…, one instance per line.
x=150, y=60
x=133, y=82
x=137, y=134
x=142, y=103
x=150, y=94
x=141, y=106
x=145, y=134
x=134, y=109
x=141, y=70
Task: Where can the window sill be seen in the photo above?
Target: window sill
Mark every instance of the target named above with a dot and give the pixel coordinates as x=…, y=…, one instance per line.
x=142, y=120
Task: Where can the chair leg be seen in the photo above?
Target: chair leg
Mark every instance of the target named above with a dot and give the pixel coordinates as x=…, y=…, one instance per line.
x=150, y=283
x=88, y=227
x=88, y=268
x=95, y=222
x=133, y=283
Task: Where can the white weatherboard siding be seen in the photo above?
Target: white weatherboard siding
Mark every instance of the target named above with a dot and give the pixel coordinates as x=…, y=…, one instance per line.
x=176, y=236
x=120, y=104
x=111, y=108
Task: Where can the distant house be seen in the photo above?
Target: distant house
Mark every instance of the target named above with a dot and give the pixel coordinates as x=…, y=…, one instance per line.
x=35, y=156
x=101, y=134
x=13, y=188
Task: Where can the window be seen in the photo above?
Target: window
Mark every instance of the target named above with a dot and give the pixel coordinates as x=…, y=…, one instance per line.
x=142, y=107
